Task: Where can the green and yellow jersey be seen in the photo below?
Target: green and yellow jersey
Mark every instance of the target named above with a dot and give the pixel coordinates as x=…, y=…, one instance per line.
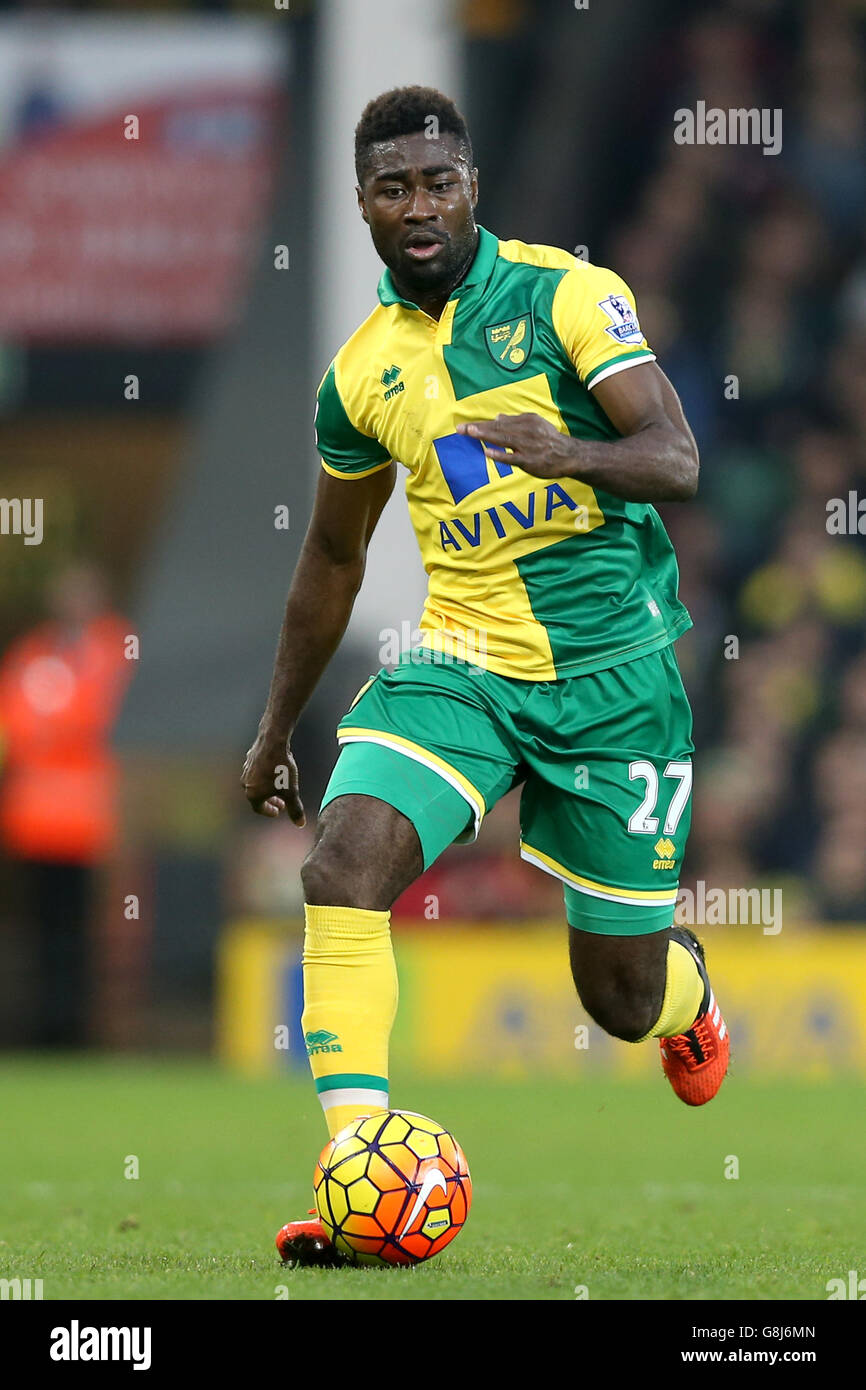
x=528, y=578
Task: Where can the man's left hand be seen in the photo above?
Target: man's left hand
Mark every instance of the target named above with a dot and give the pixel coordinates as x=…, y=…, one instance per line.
x=527, y=441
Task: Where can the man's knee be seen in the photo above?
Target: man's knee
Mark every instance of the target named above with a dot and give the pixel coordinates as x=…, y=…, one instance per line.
x=620, y=980
x=628, y=1015
x=330, y=878
x=366, y=853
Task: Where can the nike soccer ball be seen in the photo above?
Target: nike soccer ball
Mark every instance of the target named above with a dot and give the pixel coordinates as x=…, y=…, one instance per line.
x=392, y=1188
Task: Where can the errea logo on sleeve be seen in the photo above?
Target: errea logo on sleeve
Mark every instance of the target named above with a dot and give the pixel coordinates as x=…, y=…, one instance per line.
x=624, y=325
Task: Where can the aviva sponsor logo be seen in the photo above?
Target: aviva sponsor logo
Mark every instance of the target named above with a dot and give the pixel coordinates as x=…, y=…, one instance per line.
x=467, y=469
x=389, y=380
x=465, y=466
x=322, y=1041
x=666, y=850
x=538, y=507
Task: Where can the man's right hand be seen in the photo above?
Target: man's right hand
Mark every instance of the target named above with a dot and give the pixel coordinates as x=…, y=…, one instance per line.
x=270, y=779
x=319, y=604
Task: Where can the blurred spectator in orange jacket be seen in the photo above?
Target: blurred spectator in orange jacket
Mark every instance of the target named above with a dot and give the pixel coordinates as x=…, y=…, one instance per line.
x=61, y=685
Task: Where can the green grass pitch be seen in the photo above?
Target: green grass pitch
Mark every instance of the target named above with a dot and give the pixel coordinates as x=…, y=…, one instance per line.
x=609, y=1185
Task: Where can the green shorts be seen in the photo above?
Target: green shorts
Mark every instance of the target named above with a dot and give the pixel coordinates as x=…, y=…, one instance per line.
x=604, y=760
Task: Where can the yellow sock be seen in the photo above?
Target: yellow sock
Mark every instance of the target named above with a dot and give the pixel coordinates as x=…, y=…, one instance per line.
x=684, y=991
x=350, y=1000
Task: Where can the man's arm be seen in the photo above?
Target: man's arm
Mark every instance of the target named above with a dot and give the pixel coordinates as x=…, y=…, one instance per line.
x=656, y=460
x=319, y=604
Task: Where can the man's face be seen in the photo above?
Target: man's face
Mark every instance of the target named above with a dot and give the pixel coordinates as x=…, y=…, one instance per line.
x=418, y=199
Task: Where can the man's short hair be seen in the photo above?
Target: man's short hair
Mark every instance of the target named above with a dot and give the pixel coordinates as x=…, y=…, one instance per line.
x=404, y=111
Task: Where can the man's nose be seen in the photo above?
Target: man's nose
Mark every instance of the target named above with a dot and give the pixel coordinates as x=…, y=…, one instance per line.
x=420, y=204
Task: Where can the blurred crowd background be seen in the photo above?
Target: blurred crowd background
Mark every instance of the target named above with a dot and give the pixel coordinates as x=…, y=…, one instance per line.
x=157, y=372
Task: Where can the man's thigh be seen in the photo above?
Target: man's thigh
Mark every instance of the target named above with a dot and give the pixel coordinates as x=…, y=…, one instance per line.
x=607, y=803
x=432, y=740
x=366, y=853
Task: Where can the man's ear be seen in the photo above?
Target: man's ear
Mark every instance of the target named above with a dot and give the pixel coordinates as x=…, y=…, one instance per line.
x=473, y=184
x=361, y=204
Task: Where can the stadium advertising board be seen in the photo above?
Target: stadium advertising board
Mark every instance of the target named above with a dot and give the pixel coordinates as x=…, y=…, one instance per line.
x=136, y=161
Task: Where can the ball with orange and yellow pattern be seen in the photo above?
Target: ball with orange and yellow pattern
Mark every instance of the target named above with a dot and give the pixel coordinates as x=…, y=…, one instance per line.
x=392, y=1188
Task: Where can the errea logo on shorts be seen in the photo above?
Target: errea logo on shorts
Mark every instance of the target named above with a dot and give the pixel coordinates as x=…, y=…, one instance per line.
x=667, y=851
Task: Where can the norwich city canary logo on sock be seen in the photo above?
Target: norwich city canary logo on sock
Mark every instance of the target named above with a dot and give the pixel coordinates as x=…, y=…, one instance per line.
x=510, y=343
x=667, y=850
x=322, y=1041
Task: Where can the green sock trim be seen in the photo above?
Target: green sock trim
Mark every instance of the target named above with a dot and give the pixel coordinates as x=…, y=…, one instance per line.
x=346, y=1079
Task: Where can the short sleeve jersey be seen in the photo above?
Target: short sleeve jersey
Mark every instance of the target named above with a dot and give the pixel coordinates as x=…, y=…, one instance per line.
x=531, y=579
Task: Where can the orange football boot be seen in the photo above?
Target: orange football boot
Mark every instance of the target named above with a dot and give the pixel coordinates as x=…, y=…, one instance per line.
x=695, y=1062
x=305, y=1243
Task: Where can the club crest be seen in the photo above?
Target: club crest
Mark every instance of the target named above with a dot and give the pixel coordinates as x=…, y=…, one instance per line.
x=510, y=343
